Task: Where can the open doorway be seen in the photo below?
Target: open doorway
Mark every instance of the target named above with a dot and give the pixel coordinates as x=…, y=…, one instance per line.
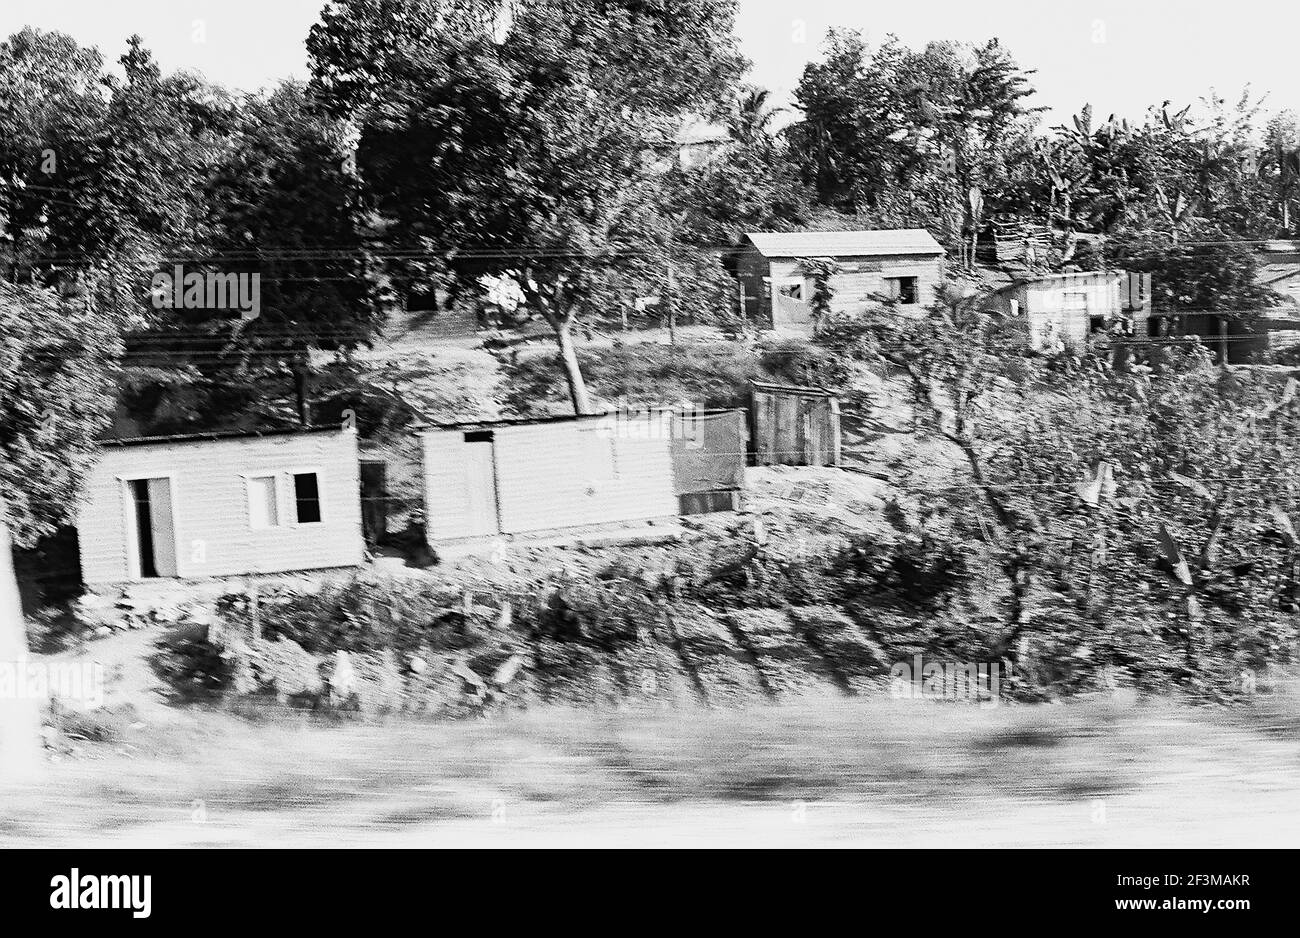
x=481, y=483
x=151, y=529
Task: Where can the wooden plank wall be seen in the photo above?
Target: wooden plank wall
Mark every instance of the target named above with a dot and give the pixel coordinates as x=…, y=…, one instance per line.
x=795, y=426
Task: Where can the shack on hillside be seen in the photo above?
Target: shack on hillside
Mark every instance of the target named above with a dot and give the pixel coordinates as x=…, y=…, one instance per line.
x=1064, y=309
x=904, y=264
x=795, y=426
x=484, y=480
x=221, y=504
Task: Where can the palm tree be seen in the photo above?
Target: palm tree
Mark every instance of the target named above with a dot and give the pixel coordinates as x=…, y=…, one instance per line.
x=751, y=117
x=1287, y=182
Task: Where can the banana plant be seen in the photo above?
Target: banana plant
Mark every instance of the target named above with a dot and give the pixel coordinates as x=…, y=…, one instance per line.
x=1178, y=209
x=1286, y=160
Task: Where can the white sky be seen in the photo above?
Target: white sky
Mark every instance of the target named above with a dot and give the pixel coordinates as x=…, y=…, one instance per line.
x=1119, y=55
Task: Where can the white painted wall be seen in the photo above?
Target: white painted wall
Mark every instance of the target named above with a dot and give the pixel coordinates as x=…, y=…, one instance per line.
x=211, y=509
x=552, y=476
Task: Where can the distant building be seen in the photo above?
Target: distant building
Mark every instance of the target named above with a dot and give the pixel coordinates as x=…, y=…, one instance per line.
x=904, y=264
x=1062, y=310
x=795, y=426
x=1279, y=268
x=221, y=505
x=699, y=143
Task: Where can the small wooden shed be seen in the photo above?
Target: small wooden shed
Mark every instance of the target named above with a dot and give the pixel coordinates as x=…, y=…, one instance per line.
x=795, y=426
x=221, y=504
x=523, y=477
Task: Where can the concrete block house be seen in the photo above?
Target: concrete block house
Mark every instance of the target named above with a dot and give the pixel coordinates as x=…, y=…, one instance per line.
x=221, y=505
x=904, y=264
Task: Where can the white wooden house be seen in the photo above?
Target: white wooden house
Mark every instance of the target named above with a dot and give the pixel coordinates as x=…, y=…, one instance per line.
x=512, y=478
x=904, y=264
x=221, y=505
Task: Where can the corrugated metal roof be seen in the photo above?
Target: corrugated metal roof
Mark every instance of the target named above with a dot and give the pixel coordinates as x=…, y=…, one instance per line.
x=844, y=243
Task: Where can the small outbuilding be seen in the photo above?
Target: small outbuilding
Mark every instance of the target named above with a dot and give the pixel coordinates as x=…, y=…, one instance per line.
x=221, y=504
x=1063, y=309
x=485, y=480
x=795, y=426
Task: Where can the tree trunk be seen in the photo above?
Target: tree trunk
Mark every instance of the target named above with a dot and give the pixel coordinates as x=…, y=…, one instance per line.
x=20, y=754
x=670, y=305
x=572, y=370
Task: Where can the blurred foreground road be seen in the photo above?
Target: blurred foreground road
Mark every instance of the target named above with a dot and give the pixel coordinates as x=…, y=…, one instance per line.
x=858, y=774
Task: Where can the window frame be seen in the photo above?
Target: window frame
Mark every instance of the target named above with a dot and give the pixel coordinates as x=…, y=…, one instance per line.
x=793, y=283
x=249, y=479
x=320, y=494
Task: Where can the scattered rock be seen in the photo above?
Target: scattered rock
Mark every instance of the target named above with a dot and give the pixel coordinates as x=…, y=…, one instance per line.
x=379, y=686
x=507, y=671
x=342, y=680
x=286, y=668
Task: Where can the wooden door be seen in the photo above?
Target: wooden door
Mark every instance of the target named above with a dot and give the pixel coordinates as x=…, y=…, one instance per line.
x=481, y=488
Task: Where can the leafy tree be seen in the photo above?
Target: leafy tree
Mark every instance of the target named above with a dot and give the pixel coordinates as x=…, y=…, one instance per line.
x=751, y=119
x=100, y=171
x=850, y=103
x=1279, y=166
x=52, y=107
x=57, y=371
x=530, y=152
x=905, y=136
x=1170, y=173
x=751, y=185
x=1137, y=524
x=289, y=209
